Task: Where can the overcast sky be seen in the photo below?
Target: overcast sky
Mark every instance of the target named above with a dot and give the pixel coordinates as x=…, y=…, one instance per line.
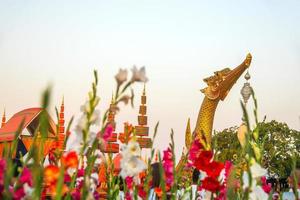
x=59, y=43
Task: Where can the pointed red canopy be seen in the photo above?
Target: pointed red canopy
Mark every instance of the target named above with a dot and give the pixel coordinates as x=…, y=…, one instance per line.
x=7, y=132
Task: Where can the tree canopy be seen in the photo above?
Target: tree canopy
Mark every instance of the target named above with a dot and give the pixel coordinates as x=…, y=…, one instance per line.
x=280, y=146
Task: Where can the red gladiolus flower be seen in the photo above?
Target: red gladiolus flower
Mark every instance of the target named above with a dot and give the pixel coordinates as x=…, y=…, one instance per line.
x=211, y=184
x=214, y=168
x=267, y=187
x=142, y=193
x=206, y=156
x=51, y=174
x=203, y=161
x=70, y=160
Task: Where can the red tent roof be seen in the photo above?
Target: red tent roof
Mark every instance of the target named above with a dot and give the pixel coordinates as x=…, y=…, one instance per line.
x=7, y=133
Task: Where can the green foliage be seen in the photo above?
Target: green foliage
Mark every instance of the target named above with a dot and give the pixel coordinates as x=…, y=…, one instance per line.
x=226, y=144
x=280, y=143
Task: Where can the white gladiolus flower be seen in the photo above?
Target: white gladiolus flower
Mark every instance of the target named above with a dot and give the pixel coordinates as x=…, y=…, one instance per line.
x=131, y=162
x=81, y=123
x=75, y=141
x=86, y=107
x=98, y=161
x=258, y=194
x=95, y=176
x=132, y=167
x=28, y=190
x=121, y=76
x=139, y=75
x=131, y=149
x=95, y=118
x=71, y=171
x=256, y=191
x=257, y=171
x=97, y=152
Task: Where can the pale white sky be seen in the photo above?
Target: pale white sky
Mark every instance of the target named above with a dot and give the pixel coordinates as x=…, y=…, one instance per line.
x=180, y=43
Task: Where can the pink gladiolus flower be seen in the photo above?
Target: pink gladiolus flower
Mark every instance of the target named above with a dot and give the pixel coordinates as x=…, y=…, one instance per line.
x=26, y=177
x=96, y=195
x=80, y=173
x=142, y=193
x=76, y=194
x=168, y=166
x=18, y=194
x=2, y=172
x=129, y=182
x=128, y=196
x=108, y=132
x=228, y=166
x=67, y=178
x=194, y=152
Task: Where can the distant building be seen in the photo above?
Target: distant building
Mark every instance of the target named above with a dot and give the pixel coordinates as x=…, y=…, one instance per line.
x=26, y=122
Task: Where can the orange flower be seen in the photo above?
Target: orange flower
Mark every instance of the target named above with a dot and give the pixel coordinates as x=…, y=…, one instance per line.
x=158, y=191
x=142, y=175
x=51, y=190
x=168, y=188
x=70, y=160
x=51, y=174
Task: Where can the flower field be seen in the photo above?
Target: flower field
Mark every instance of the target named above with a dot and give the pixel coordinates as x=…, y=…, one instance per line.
x=87, y=166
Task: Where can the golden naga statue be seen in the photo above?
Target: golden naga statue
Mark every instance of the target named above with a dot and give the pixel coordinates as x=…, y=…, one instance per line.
x=218, y=86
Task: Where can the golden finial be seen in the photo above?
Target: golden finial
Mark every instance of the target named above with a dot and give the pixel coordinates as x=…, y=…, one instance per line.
x=144, y=90
x=248, y=59
x=3, y=118
x=188, y=135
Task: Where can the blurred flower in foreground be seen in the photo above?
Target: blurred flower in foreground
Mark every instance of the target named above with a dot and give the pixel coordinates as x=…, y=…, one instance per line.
x=70, y=160
x=125, y=99
x=26, y=177
x=139, y=75
x=257, y=171
x=51, y=174
x=256, y=191
x=121, y=76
